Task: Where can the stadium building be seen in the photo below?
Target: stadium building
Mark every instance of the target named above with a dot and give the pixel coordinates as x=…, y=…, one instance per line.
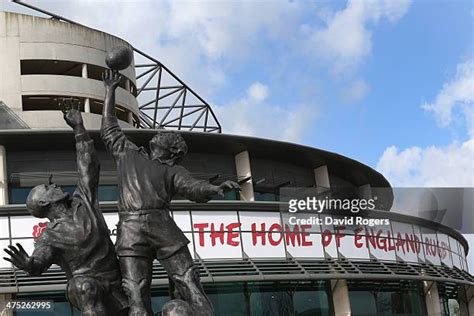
x=253, y=259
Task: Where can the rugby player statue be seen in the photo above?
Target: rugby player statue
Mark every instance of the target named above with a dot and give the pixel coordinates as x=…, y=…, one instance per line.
x=148, y=180
x=76, y=238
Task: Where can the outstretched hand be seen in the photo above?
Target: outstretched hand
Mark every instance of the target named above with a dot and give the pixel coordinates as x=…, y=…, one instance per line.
x=18, y=257
x=227, y=186
x=111, y=78
x=71, y=113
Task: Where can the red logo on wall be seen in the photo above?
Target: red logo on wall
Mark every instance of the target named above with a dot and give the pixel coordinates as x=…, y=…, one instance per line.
x=38, y=230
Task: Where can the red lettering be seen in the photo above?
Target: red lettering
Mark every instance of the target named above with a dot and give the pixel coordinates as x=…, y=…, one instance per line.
x=200, y=227
x=381, y=241
x=277, y=228
x=305, y=234
x=391, y=246
x=358, y=237
x=400, y=242
x=410, y=243
x=417, y=244
x=370, y=238
x=231, y=234
x=326, y=237
x=217, y=234
x=259, y=234
x=292, y=237
x=338, y=234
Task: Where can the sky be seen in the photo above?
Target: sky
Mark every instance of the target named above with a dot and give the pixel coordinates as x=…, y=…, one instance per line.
x=388, y=83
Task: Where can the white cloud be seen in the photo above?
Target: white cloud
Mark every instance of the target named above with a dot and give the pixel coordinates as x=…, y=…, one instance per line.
x=458, y=92
x=347, y=37
x=434, y=166
x=252, y=115
x=258, y=91
x=356, y=91
x=450, y=166
x=202, y=41
x=198, y=41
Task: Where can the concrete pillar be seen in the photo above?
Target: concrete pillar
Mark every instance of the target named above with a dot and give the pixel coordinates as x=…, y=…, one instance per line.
x=10, y=72
x=321, y=178
x=365, y=191
x=3, y=176
x=87, y=102
x=130, y=117
x=127, y=85
x=242, y=166
x=4, y=298
x=87, y=105
x=340, y=298
x=84, y=71
x=433, y=307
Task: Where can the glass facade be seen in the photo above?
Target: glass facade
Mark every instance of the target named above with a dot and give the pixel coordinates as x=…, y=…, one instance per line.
x=18, y=195
x=395, y=298
x=236, y=299
x=453, y=300
x=306, y=298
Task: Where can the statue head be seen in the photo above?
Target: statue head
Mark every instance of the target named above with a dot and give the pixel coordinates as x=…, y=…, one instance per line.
x=43, y=197
x=168, y=147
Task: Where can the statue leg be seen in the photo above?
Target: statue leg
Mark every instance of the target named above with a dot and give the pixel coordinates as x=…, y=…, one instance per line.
x=87, y=294
x=180, y=267
x=177, y=307
x=136, y=279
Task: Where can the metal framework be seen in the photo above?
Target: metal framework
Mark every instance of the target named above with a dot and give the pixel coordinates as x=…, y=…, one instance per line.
x=165, y=101
x=17, y=281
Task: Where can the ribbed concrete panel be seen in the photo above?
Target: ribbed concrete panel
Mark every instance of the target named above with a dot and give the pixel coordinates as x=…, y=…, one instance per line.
x=54, y=120
x=74, y=86
x=61, y=51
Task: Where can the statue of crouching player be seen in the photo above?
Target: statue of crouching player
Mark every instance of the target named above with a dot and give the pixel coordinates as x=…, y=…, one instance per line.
x=76, y=238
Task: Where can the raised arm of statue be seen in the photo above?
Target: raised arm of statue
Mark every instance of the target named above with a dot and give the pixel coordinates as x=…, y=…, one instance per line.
x=111, y=79
x=88, y=165
x=111, y=133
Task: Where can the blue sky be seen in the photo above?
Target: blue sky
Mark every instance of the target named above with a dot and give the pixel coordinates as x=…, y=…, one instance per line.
x=389, y=83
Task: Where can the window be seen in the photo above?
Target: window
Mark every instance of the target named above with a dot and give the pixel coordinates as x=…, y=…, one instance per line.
x=50, y=103
x=18, y=195
x=51, y=67
x=453, y=299
x=397, y=298
x=228, y=300
x=45, y=102
x=270, y=176
x=299, y=299
x=69, y=68
x=232, y=299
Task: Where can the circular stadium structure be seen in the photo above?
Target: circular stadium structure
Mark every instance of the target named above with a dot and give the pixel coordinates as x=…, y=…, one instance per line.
x=253, y=258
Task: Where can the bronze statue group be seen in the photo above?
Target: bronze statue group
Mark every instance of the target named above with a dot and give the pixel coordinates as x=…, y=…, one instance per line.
x=104, y=279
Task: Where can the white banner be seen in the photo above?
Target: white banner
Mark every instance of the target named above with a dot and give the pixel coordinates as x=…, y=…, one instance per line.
x=221, y=235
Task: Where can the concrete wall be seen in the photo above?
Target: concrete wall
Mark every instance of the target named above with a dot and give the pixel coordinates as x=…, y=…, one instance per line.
x=54, y=119
x=24, y=37
x=76, y=86
x=10, y=75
